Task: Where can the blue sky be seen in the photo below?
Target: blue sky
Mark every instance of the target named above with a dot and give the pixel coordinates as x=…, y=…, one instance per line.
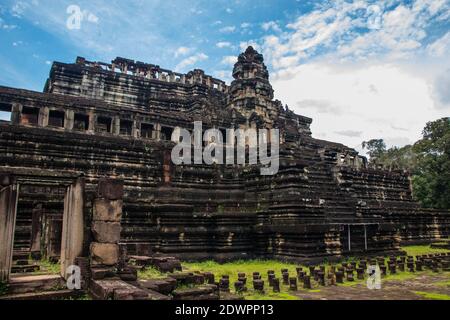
x=360, y=69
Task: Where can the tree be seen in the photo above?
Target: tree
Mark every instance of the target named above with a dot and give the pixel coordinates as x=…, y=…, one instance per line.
x=431, y=182
x=375, y=147
x=428, y=161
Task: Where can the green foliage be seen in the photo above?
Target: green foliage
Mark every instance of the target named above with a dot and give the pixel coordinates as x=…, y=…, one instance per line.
x=49, y=267
x=428, y=161
x=3, y=288
x=431, y=181
x=271, y=296
x=421, y=250
x=150, y=273
x=375, y=147
x=432, y=295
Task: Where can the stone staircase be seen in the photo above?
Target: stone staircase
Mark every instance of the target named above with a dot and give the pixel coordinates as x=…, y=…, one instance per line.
x=22, y=262
x=38, y=287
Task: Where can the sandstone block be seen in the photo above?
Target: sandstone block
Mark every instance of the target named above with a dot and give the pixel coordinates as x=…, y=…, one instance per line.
x=105, y=210
x=106, y=232
x=110, y=189
x=164, y=286
x=104, y=253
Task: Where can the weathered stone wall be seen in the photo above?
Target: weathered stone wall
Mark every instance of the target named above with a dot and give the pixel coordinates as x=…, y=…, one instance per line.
x=217, y=211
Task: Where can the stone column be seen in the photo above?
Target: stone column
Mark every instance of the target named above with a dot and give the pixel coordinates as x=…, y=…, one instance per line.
x=107, y=215
x=16, y=112
x=69, y=118
x=73, y=225
x=135, y=131
x=157, y=131
x=92, y=120
x=9, y=192
x=43, y=117
x=36, y=231
x=116, y=125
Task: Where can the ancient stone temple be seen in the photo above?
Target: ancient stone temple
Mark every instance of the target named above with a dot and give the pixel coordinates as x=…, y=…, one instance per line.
x=96, y=120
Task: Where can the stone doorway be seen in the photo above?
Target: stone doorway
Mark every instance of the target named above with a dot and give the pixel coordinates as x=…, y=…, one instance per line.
x=44, y=229
x=357, y=237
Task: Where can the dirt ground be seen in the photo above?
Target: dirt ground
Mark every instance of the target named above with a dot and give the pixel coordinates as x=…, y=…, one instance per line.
x=422, y=287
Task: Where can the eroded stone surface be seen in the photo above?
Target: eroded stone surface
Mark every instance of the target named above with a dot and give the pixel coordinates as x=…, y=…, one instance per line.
x=104, y=254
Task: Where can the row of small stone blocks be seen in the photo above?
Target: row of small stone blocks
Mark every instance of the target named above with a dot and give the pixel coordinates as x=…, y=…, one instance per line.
x=334, y=276
x=417, y=263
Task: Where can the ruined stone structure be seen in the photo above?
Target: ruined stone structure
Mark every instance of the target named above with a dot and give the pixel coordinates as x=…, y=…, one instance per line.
x=97, y=120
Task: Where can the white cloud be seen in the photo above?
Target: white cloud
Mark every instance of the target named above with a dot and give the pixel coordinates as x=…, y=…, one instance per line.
x=245, y=25
x=228, y=29
x=19, y=8
x=190, y=61
x=351, y=31
x=440, y=47
x=182, y=51
x=271, y=25
x=229, y=60
x=229, y=10
x=244, y=44
x=342, y=101
x=91, y=17
x=5, y=26
x=224, y=75
x=223, y=44
x=196, y=11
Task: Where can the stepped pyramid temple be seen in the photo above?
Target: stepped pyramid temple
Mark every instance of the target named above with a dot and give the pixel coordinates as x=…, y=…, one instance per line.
x=86, y=172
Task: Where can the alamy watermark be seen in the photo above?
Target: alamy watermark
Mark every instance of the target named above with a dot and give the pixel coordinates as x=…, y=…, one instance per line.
x=76, y=16
x=215, y=147
x=74, y=279
x=374, y=277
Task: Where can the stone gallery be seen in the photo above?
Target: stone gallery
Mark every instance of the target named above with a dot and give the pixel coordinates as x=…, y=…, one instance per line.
x=87, y=179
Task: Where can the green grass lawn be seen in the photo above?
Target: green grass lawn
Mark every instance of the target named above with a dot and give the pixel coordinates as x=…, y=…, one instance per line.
x=433, y=296
x=150, y=273
x=262, y=266
x=420, y=250
x=248, y=267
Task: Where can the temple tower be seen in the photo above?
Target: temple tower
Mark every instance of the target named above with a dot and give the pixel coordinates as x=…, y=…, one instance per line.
x=250, y=92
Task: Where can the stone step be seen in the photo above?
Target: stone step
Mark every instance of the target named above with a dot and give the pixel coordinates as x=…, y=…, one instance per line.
x=114, y=289
x=21, y=255
x=45, y=295
x=21, y=262
x=205, y=292
x=25, y=268
x=29, y=284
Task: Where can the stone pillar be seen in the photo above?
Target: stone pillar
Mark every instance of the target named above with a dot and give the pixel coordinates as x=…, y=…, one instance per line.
x=107, y=214
x=9, y=192
x=157, y=131
x=73, y=225
x=176, y=134
x=43, y=117
x=116, y=125
x=135, y=131
x=69, y=119
x=92, y=120
x=16, y=112
x=36, y=231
